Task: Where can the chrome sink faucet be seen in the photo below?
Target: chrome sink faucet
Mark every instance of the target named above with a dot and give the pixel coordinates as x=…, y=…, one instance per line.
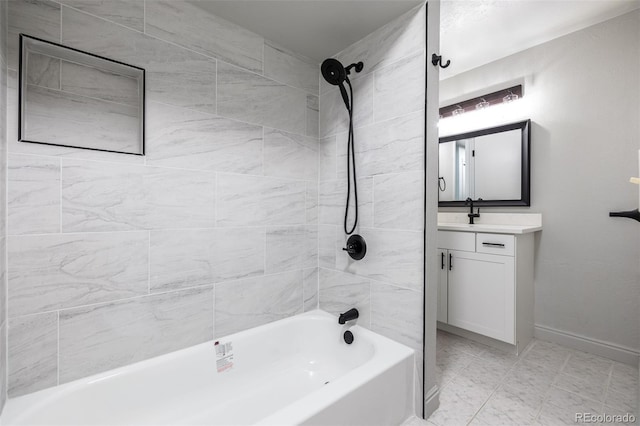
x=471, y=214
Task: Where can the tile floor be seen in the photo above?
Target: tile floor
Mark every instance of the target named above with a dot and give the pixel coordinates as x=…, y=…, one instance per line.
x=547, y=385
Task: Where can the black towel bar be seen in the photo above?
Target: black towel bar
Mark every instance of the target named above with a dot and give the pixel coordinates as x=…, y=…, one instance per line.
x=631, y=214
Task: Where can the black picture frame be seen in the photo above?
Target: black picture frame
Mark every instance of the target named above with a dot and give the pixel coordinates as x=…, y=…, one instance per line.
x=525, y=168
x=23, y=38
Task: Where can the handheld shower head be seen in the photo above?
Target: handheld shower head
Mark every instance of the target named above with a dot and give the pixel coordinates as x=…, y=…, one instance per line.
x=336, y=74
x=333, y=71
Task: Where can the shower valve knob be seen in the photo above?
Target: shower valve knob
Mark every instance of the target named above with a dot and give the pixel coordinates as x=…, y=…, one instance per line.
x=356, y=247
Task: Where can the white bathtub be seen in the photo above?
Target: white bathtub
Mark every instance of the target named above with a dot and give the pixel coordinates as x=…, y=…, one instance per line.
x=295, y=371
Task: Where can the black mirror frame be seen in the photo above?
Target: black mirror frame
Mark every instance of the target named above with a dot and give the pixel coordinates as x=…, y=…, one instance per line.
x=525, y=190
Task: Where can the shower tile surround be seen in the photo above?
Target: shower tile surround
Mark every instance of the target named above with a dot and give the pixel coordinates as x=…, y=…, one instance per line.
x=116, y=258
x=387, y=285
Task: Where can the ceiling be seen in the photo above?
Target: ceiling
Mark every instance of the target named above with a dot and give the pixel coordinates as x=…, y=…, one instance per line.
x=476, y=32
x=314, y=28
x=472, y=32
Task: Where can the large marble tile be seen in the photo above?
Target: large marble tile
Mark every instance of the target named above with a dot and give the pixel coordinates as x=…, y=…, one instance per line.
x=101, y=337
x=282, y=65
x=563, y=406
x=393, y=257
x=393, y=146
x=288, y=155
x=399, y=201
x=290, y=248
x=107, y=197
x=547, y=354
x=182, y=138
x=624, y=379
x=505, y=408
x=48, y=272
x=340, y=292
x=311, y=203
x=327, y=245
x=100, y=84
x=552, y=415
x=181, y=259
x=395, y=40
x=334, y=117
x=173, y=75
x=397, y=313
x=333, y=197
x=64, y=118
x=189, y=24
x=32, y=353
x=449, y=360
x=249, y=97
x=458, y=404
x=239, y=253
x=530, y=376
x=129, y=13
x=254, y=200
x=624, y=402
x=590, y=387
x=395, y=93
x=313, y=116
x=251, y=302
x=328, y=159
x=33, y=195
x=584, y=364
x=310, y=289
x=37, y=18
x=483, y=372
x=188, y=258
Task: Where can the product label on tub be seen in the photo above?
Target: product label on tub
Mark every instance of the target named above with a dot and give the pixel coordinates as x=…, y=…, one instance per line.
x=224, y=356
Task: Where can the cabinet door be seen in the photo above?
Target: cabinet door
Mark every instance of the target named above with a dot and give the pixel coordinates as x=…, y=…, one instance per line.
x=481, y=294
x=443, y=262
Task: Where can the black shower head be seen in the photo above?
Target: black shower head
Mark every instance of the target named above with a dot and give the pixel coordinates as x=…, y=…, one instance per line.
x=333, y=71
x=336, y=74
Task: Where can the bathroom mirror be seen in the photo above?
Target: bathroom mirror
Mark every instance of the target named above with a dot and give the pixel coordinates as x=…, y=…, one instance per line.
x=492, y=164
x=76, y=99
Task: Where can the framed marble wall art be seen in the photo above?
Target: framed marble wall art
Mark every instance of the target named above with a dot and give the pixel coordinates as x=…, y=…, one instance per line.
x=76, y=99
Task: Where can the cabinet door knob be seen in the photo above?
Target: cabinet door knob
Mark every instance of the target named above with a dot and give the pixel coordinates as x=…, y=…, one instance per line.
x=442, y=260
x=450, y=261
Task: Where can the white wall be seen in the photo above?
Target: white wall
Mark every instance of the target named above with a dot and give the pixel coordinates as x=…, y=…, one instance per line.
x=581, y=93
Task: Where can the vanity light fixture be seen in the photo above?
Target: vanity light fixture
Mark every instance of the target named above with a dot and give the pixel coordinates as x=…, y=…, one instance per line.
x=482, y=104
x=459, y=110
x=510, y=97
x=503, y=96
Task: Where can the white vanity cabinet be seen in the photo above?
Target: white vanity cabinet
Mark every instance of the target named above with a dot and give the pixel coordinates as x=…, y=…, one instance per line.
x=486, y=284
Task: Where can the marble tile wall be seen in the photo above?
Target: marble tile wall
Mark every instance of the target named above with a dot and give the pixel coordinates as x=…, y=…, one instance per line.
x=116, y=258
x=3, y=206
x=387, y=285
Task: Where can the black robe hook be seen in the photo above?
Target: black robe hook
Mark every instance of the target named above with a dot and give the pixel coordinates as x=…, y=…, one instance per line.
x=437, y=60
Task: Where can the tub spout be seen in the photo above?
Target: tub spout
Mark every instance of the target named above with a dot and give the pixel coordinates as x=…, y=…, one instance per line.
x=350, y=315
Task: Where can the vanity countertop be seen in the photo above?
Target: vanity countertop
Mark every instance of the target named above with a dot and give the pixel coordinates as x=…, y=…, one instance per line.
x=488, y=228
x=492, y=223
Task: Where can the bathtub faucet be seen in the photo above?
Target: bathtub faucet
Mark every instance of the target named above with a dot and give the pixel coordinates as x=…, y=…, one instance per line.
x=350, y=315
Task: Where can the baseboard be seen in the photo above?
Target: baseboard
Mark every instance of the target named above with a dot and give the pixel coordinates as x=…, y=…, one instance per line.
x=431, y=401
x=586, y=344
